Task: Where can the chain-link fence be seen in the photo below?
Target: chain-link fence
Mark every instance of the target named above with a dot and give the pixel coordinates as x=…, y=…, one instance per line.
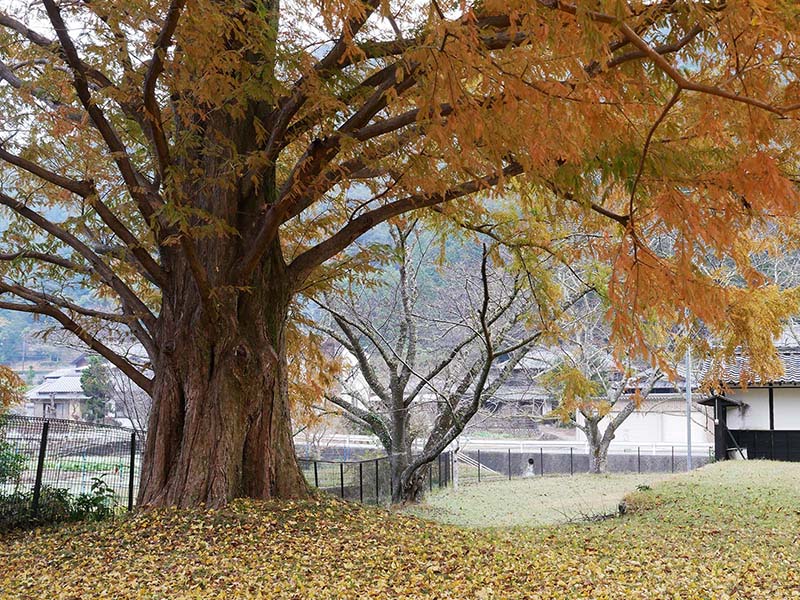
x=48, y=459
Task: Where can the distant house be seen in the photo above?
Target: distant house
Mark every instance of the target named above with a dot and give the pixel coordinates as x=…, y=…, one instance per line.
x=520, y=406
x=761, y=419
x=60, y=395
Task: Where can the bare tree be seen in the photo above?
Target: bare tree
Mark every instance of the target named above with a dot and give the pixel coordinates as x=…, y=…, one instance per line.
x=620, y=400
x=598, y=393
x=130, y=401
x=427, y=365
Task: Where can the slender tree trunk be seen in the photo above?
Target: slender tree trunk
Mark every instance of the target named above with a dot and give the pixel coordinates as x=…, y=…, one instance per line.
x=412, y=484
x=598, y=459
x=399, y=452
x=220, y=425
x=407, y=483
x=598, y=447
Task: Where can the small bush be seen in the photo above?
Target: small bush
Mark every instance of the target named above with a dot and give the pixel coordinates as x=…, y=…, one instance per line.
x=56, y=505
x=97, y=505
x=12, y=463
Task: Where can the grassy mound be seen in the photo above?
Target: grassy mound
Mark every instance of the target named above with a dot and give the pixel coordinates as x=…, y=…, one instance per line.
x=727, y=531
x=532, y=502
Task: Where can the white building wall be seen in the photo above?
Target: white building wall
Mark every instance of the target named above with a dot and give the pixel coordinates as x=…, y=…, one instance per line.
x=786, y=404
x=652, y=426
x=755, y=415
x=639, y=427
x=674, y=426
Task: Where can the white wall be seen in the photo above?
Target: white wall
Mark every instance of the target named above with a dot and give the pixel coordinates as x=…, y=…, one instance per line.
x=753, y=416
x=658, y=427
x=786, y=404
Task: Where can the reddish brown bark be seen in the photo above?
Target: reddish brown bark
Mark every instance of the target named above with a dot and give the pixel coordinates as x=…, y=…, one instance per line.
x=220, y=426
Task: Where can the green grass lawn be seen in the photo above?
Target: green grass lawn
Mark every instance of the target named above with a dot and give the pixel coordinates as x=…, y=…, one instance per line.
x=531, y=502
x=730, y=530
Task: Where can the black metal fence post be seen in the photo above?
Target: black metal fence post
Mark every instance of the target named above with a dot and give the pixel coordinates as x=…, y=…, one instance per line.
x=361, y=482
x=132, y=469
x=571, y=467
x=316, y=475
x=672, y=461
x=377, y=484
x=479, y=466
x=439, y=460
x=341, y=477
x=37, y=486
x=509, y=464
x=638, y=459
x=541, y=461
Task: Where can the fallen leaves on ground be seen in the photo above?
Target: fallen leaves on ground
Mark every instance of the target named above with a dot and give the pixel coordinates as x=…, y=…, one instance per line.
x=726, y=531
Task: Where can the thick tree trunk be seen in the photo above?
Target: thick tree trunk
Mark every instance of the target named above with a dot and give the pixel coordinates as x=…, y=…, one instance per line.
x=220, y=425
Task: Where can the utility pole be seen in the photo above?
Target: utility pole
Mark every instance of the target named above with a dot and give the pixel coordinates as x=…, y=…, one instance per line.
x=688, y=379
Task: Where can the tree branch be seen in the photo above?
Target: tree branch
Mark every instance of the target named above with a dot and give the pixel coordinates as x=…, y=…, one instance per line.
x=80, y=188
x=47, y=258
x=360, y=354
x=34, y=296
x=152, y=109
x=289, y=105
x=73, y=327
x=301, y=266
x=131, y=303
x=150, y=268
x=685, y=84
x=371, y=419
x=7, y=74
x=134, y=181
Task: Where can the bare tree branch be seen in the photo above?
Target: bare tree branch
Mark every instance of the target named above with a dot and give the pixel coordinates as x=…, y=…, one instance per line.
x=73, y=327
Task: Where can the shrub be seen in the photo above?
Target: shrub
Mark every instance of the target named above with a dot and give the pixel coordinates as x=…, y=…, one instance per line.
x=96, y=505
x=12, y=463
x=56, y=505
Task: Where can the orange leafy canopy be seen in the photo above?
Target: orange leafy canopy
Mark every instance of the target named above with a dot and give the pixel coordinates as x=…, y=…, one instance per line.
x=208, y=141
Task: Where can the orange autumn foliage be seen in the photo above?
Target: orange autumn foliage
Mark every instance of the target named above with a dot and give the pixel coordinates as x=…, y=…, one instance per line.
x=11, y=386
x=181, y=159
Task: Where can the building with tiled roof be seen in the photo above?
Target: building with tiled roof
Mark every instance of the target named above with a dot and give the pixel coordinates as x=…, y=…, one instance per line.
x=790, y=356
x=759, y=419
x=60, y=395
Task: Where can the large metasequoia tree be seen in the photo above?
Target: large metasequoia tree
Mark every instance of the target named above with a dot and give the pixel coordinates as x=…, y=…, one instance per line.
x=195, y=163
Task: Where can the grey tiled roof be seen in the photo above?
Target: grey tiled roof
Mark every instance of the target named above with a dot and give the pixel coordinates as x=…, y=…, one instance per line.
x=60, y=383
x=791, y=367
